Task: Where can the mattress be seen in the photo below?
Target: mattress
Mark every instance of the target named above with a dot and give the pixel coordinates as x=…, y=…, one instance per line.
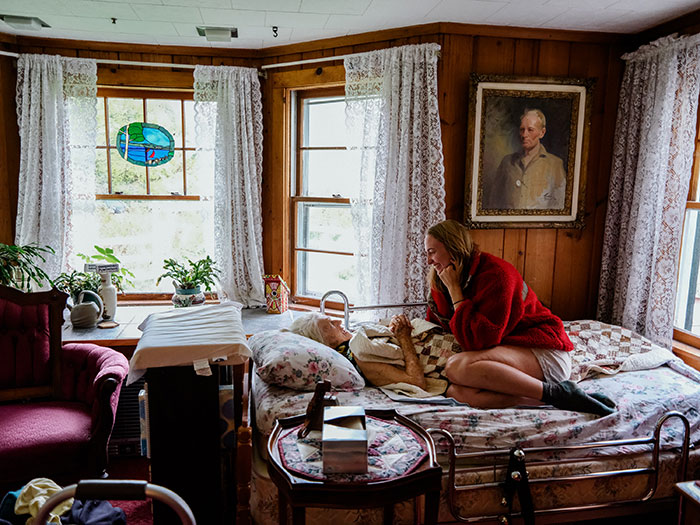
x=643, y=392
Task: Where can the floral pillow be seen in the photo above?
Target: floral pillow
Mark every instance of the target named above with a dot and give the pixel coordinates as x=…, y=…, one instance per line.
x=293, y=361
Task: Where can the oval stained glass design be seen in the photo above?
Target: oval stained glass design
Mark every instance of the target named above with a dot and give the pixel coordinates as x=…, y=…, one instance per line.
x=145, y=144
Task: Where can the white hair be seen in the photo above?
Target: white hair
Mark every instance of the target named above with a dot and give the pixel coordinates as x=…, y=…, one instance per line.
x=307, y=325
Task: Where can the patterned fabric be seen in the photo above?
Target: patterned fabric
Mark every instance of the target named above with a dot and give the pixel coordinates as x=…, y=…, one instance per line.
x=434, y=351
x=57, y=119
x=392, y=107
x=228, y=110
x=297, y=362
x=609, y=349
x=393, y=450
x=651, y=171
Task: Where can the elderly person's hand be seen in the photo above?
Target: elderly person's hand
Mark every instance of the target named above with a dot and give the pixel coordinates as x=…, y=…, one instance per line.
x=401, y=326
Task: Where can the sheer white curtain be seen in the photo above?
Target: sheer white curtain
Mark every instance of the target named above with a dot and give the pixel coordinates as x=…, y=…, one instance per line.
x=651, y=171
x=228, y=110
x=392, y=109
x=56, y=113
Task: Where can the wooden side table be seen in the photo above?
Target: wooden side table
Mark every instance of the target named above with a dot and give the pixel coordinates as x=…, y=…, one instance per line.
x=689, y=509
x=299, y=492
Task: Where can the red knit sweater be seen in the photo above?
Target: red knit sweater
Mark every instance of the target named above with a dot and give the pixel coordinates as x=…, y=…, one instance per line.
x=495, y=312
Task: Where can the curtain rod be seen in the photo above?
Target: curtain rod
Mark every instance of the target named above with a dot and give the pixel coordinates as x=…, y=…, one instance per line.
x=314, y=60
x=191, y=66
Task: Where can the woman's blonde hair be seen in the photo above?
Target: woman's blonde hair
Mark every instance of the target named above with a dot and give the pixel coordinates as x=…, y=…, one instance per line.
x=458, y=242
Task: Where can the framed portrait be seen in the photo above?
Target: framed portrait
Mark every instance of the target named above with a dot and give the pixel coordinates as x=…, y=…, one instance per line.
x=526, y=151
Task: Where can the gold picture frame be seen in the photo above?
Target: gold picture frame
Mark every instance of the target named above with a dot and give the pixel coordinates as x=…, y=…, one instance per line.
x=527, y=147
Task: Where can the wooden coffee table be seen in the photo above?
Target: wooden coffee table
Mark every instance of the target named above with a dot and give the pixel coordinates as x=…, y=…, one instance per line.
x=300, y=492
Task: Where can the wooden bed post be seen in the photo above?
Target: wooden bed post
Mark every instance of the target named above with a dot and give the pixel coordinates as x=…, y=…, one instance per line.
x=244, y=451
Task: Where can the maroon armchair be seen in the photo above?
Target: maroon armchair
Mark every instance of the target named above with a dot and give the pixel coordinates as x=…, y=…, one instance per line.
x=57, y=402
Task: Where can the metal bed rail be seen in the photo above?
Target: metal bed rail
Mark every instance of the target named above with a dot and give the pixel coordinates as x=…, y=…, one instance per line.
x=347, y=308
x=652, y=471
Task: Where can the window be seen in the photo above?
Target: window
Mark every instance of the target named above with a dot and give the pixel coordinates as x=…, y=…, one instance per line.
x=687, y=317
x=148, y=213
x=325, y=177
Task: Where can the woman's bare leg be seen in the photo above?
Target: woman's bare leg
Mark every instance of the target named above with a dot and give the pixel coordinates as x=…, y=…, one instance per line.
x=502, y=370
x=479, y=398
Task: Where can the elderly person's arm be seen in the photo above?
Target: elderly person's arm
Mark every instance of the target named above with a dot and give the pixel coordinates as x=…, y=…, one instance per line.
x=381, y=374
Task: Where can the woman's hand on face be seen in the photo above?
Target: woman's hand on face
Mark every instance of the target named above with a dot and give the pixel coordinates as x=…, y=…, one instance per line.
x=401, y=326
x=450, y=276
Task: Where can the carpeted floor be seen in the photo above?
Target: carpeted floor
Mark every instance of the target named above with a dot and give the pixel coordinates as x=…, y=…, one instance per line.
x=137, y=512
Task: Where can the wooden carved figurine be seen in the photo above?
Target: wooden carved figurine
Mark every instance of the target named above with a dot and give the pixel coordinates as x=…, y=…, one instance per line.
x=314, y=411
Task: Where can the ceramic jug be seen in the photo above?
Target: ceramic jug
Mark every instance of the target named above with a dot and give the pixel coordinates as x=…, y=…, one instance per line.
x=88, y=310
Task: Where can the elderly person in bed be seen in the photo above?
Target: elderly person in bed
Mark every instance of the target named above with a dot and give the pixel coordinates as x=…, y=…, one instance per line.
x=330, y=332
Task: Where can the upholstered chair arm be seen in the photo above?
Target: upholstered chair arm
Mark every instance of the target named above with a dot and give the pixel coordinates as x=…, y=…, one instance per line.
x=85, y=371
x=94, y=375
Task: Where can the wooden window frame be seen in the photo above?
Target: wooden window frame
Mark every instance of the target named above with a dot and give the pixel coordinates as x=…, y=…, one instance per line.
x=692, y=203
x=296, y=98
x=144, y=94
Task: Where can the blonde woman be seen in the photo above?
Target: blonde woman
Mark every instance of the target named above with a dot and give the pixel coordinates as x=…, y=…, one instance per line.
x=515, y=351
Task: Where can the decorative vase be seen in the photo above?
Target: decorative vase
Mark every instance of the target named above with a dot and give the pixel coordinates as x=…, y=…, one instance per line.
x=184, y=297
x=87, y=310
x=109, y=296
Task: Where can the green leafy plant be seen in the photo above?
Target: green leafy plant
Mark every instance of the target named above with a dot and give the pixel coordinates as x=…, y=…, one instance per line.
x=187, y=276
x=75, y=282
x=19, y=265
x=121, y=278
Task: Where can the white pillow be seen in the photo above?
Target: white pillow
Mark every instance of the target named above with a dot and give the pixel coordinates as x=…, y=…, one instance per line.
x=293, y=361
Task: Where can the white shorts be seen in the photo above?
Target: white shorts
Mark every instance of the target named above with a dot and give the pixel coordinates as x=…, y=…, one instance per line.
x=555, y=364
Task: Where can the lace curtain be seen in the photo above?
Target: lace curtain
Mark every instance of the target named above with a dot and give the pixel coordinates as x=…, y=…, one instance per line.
x=228, y=110
x=57, y=115
x=392, y=113
x=651, y=171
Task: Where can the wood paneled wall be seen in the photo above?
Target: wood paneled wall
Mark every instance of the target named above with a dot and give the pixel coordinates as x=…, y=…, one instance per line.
x=562, y=266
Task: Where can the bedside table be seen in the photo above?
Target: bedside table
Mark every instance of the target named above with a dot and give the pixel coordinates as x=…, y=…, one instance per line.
x=348, y=491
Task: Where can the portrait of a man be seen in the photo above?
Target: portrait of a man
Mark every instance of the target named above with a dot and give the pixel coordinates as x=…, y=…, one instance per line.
x=526, y=140
x=531, y=177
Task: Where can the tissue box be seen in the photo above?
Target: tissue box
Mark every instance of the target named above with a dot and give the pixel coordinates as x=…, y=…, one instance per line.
x=344, y=440
x=276, y=294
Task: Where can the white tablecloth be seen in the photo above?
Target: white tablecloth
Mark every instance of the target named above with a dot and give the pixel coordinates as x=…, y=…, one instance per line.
x=184, y=335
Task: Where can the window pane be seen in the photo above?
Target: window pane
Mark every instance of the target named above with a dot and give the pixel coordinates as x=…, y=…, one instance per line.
x=688, y=296
x=319, y=272
x=123, y=111
x=101, y=182
x=325, y=227
x=189, y=125
x=127, y=178
x=167, y=114
x=331, y=172
x=101, y=138
x=166, y=179
x=200, y=172
x=324, y=122
x=144, y=233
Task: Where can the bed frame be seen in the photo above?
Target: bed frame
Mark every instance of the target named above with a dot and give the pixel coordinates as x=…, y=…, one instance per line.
x=538, y=455
x=535, y=456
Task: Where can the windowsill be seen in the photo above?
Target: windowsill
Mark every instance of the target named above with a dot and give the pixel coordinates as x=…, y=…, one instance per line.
x=164, y=302
x=689, y=354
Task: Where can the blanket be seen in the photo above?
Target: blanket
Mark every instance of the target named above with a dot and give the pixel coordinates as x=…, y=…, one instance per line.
x=601, y=348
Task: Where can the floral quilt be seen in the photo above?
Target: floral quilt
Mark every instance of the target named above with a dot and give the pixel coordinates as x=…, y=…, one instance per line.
x=643, y=391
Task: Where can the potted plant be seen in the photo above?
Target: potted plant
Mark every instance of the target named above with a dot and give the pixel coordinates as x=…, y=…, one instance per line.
x=75, y=282
x=189, y=278
x=19, y=265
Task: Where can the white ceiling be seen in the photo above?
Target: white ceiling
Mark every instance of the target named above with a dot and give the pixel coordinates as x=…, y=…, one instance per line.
x=174, y=22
